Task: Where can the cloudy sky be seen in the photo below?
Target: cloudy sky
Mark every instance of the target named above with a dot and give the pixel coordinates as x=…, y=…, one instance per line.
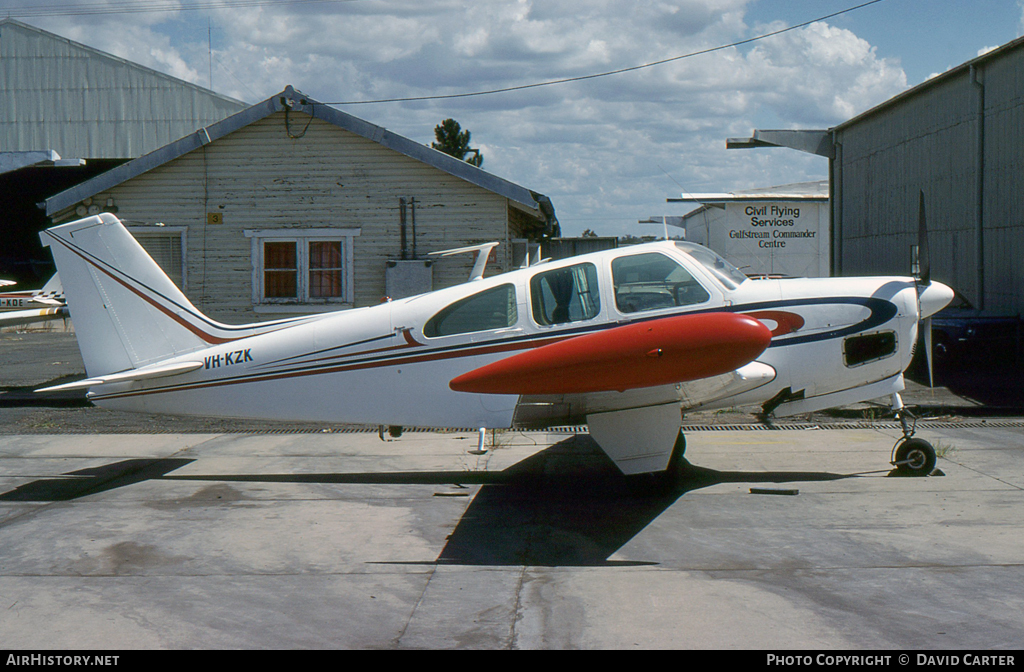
x=608, y=150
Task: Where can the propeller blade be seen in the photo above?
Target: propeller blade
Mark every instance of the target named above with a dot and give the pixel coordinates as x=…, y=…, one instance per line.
x=923, y=256
x=928, y=350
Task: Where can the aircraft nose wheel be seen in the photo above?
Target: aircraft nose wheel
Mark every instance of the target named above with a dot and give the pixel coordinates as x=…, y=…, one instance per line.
x=914, y=457
x=911, y=457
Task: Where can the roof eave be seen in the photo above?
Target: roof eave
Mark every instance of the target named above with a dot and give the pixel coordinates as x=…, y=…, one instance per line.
x=293, y=100
x=934, y=81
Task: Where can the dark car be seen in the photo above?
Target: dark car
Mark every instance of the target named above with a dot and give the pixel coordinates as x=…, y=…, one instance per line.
x=965, y=337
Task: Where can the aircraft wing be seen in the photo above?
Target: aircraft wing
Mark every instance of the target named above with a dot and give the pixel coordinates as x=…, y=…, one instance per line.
x=631, y=381
x=19, y=317
x=482, y=252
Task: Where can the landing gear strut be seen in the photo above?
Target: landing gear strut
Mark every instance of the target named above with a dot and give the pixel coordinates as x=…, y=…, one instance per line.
x=911, y=457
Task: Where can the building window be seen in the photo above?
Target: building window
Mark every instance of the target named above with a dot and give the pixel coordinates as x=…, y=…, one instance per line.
x=325, y=269
x=280, y=270
x=309, y=267
x=166, y=245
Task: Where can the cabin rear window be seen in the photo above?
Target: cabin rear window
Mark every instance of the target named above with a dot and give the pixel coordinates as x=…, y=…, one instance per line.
x=564, y=295
x=491, y=309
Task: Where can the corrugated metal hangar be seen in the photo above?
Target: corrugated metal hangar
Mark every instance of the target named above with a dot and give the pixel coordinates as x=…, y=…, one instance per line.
x=959, y=138
x=69, y=112
x=80, y=102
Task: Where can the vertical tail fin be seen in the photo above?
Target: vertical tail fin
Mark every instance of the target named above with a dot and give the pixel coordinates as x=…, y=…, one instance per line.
x=53, y=287
x=126, y=311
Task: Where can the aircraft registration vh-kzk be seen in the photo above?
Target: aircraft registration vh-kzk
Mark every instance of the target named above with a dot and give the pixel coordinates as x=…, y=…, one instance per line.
x=625, y=340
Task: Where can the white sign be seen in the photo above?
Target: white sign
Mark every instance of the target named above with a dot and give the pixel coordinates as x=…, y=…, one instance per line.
x=767, y=237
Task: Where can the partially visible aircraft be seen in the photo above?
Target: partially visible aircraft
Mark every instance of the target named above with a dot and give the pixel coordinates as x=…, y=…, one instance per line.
x=624, y=340
x=52, y=294
x=14, y=318
x=27, y=306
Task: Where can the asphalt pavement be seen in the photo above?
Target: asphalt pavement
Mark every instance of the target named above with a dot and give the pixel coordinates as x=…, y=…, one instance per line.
x=152, y=533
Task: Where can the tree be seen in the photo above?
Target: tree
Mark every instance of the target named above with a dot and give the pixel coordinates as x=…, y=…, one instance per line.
x=454, y=141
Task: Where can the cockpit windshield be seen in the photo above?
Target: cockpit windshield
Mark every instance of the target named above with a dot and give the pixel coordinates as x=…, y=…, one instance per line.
x=722, y=270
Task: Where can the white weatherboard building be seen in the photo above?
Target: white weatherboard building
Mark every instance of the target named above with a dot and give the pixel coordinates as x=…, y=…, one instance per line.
x=775, y=231
x=292, y=207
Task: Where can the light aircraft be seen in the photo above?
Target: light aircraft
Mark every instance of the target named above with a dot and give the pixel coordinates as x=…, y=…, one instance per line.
x=18, y=307
x=625, y=340
x=52, y=294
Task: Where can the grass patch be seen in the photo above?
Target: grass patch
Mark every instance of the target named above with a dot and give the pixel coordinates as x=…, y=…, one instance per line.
x=943, y=449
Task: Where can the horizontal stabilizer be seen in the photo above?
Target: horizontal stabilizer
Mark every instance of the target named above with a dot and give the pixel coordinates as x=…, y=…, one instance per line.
x=482, y=252
x=137, y=374
x=46, y=301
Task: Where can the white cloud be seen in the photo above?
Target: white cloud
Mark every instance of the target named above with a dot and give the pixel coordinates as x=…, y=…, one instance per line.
x=600, y=148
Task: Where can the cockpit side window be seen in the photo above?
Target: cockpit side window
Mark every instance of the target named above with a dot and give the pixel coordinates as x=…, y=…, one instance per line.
x=564, y=295
x=490, y=309
x=653, y=281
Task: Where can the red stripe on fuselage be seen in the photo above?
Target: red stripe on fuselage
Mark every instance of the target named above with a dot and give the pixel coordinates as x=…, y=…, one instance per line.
x=341, y=368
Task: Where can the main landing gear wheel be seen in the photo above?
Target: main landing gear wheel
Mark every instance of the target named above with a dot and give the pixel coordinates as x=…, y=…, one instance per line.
x=914, y=457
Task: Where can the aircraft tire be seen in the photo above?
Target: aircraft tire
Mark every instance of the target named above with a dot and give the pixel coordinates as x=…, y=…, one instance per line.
x=915, y=457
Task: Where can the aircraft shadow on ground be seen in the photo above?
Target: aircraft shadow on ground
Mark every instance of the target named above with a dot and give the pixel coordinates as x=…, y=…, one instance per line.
x=566, y=505
x=85, y=482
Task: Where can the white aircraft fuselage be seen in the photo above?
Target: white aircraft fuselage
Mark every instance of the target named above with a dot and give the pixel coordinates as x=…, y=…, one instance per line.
x=832, y=341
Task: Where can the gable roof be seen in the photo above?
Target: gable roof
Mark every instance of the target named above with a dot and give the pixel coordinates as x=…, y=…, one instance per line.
x=798, y=191
x=80, y=102
x=294, y=101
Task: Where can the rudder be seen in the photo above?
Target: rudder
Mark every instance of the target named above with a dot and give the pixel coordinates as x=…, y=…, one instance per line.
x=126, y=311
